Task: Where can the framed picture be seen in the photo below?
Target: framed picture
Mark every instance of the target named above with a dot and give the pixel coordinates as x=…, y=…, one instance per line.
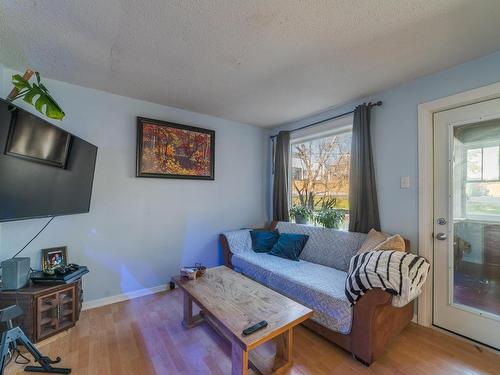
x=54, y=257
x=169, y=150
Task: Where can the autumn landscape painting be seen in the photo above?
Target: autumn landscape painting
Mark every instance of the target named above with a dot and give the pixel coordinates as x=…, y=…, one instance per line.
x=174, y=151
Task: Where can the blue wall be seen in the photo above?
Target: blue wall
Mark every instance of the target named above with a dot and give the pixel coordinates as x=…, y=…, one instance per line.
x=139, y=231
x=394, y=135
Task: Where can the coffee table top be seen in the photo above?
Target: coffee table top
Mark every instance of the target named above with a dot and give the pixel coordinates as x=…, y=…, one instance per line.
x=236, y=302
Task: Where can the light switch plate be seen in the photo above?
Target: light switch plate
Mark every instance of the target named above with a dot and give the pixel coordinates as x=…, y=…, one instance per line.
x=405, y=182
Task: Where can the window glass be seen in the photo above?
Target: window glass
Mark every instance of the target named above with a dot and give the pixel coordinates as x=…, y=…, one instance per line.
x=477, y=155
x=320, y=173
x=482, y=188
x=490, y=163
x=482, y=198
x=474, y=164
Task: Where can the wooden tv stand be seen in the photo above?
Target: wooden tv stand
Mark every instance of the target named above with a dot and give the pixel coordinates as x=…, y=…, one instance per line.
x=48, y=308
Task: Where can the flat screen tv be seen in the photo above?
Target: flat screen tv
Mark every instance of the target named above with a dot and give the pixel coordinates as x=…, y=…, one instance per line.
x=44, y=170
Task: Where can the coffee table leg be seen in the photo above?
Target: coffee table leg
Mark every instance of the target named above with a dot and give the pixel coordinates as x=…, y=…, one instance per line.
x=188, y=310
x=283, y=349
x=188, y=319
x=239, y=360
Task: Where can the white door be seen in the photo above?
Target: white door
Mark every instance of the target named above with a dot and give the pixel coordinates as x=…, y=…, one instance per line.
x=467, y=221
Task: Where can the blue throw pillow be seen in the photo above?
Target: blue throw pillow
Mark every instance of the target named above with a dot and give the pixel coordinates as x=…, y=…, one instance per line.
x=263, y=240
x=289, y=245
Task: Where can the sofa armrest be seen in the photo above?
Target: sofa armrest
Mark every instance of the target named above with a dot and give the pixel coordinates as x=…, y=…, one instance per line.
x=375, y=322
x=226, y=249
x=407, y=245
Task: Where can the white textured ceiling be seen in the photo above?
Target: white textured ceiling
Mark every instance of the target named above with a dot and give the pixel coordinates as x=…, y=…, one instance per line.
x=262, y=62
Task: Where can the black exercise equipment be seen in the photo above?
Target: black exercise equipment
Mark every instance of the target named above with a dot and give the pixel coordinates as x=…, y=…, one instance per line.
x=14, y=336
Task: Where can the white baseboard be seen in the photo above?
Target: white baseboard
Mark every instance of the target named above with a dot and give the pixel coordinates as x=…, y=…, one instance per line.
x=123, y=297
x=414, y=319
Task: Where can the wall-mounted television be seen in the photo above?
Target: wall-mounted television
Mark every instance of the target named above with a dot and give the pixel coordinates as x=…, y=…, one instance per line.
x=44, y=170
x=33, y=139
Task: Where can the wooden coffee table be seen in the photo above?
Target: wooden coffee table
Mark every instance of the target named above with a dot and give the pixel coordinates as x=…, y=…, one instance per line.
x=231, y=302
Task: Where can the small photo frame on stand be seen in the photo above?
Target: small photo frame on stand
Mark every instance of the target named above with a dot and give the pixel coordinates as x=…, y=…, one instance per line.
x=54, y=257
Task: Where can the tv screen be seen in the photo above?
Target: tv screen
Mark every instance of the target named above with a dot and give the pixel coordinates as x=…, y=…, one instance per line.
x=37, y=140
x=44, y=170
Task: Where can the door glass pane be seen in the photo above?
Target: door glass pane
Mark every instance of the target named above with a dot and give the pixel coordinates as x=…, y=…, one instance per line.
x=474, y=164
x=482, y=200
x=475, y=275
x=490, y=163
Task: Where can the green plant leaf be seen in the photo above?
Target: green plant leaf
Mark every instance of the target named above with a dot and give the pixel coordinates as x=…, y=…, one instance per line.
x=44, y=100
x=39, y=97
x=299, y=210
x=330, y=217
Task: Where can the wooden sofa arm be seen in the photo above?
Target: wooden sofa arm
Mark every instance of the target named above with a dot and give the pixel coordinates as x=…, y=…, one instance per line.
x=226, y=251
x=374, y=323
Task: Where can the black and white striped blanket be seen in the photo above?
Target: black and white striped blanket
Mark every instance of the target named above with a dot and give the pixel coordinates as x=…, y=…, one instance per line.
x=399, y=273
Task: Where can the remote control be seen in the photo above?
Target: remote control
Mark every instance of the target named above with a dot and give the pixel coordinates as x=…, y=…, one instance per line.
x=254, y=328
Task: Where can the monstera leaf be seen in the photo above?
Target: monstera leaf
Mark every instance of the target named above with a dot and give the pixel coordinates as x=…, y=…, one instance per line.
x=37, y=95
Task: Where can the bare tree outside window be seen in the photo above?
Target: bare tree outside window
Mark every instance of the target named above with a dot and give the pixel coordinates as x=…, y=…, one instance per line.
x=320, y=178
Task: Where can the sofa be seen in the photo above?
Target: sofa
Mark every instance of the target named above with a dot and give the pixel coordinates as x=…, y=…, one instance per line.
x=317, y=281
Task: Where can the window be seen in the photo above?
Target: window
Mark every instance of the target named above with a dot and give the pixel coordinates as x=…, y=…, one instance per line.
x=482, y=186
x=483, y=164
x=320, y=173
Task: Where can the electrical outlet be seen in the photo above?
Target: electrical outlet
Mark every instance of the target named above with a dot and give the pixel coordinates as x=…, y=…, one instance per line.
x=405, y=182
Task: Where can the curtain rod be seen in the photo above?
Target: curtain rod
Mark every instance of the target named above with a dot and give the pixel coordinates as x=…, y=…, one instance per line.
x=370, y=104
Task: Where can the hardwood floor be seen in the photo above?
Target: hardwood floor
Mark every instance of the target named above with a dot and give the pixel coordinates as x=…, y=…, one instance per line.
x=145, y=336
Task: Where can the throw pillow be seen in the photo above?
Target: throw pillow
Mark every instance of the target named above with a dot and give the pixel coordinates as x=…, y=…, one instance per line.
x=395, y=242
x=373, y=239
x=263, y=240
x=289, y=246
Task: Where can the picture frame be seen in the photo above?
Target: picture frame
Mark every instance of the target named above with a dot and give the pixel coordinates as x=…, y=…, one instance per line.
x=54, y=257
x=170, y=150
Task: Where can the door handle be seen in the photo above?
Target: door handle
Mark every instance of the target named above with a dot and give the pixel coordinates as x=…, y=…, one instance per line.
x=441, y=221
x=441, y=236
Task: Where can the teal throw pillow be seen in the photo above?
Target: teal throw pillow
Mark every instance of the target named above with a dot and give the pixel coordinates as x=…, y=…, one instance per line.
x=289, y=246
x=264, y=240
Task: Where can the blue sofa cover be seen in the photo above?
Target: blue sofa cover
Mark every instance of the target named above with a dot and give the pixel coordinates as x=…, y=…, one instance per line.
x=317, y=280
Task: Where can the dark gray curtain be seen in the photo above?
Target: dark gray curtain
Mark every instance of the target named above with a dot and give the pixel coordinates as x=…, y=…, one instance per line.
x=280, y=185
x=363, y=205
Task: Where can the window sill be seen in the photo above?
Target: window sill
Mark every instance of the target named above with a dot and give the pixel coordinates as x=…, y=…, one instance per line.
x=478, y=220
x=320, y=226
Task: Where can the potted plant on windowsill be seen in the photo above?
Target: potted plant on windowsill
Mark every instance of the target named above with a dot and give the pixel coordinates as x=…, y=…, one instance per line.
x=301, y=214
x=330, y=217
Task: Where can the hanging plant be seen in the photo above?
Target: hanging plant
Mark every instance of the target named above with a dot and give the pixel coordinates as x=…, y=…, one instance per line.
x=35, y=94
